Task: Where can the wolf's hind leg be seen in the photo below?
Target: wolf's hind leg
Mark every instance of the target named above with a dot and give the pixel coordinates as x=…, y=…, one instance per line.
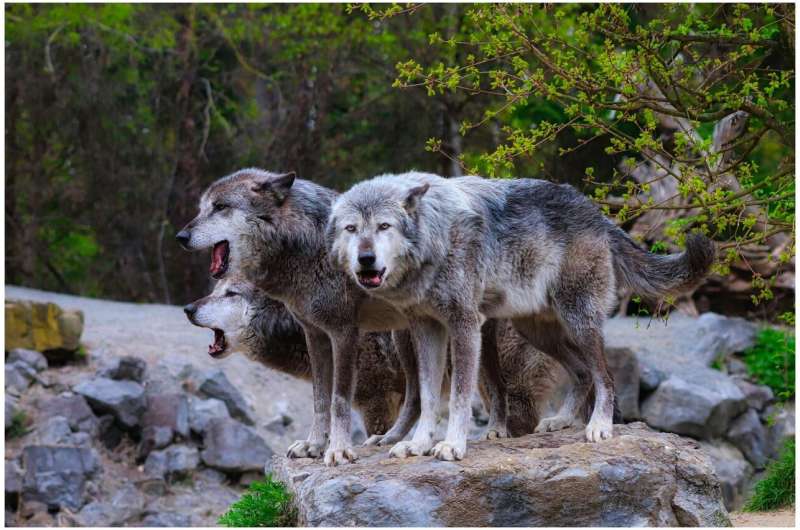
x=492, y=381
x=345, y=369
x=547, y=334
x=410, y=410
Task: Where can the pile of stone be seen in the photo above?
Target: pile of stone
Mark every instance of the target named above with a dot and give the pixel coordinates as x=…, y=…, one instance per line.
x=111, y=449
x=664, y=377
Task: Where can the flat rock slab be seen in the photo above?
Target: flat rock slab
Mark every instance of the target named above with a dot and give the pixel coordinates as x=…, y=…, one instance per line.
x=638, y=478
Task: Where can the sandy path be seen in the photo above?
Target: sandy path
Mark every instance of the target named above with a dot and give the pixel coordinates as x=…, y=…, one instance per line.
x=778, y=519
x=155, y=331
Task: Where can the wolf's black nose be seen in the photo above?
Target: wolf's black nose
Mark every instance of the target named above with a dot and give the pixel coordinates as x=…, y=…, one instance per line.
x=183, y=237
x=367, y=259
x=190, y=310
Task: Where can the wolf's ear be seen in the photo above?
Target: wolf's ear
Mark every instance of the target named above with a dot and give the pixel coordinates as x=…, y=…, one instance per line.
x=278, y=185
x=414, y=195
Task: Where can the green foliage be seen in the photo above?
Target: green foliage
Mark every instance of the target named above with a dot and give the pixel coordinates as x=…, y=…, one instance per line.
x=19, y=425
x=771, y=361
x=266, y=503
x=777, y=489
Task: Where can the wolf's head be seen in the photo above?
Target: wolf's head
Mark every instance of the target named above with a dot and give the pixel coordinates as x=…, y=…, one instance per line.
x=373, y=230
x=227, y=311
x=232, y=209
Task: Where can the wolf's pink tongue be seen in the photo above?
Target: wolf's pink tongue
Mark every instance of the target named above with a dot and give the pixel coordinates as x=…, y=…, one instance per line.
x=373, y=280
x=217, y=257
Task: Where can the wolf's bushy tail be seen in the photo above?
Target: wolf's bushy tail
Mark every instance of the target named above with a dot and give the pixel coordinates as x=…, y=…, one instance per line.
x=656, y=275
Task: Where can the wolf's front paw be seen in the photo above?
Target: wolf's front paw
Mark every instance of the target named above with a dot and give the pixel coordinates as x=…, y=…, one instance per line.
x=375, y=439
x=554, y=423
x=407, y=449
x=336, y=457
x=304, y=449
x=494, y=433
x=598, y=430
x=449, y=451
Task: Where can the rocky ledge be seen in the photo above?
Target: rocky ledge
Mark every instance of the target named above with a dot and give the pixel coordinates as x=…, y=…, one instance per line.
x=638, y=478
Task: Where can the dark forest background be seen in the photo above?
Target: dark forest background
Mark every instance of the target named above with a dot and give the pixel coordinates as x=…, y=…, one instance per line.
x=118, y=116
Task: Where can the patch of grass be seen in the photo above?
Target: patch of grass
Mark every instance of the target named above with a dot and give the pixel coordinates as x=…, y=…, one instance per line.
x=266, y=503
x=776, y=490
x=19, y=425
x=771, y=361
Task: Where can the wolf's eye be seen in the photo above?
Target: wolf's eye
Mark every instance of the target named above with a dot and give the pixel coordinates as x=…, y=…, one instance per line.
x=384, y=226
x=218, y=206
x=231, y=293
x=350, y=228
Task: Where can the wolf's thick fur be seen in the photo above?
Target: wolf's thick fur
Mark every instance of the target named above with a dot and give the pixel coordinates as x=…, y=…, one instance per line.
x=451, y=253
x=275, y=229
x=266, y=333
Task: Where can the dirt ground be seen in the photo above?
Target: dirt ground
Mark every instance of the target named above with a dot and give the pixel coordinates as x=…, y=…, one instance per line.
x=778, y=519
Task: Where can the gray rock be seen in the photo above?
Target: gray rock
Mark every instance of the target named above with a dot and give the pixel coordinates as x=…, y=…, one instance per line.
x=54, y=431
x=168, y=410
x=736, y=367
x=174, y=461
x=681, y=340
x=649, y=378
x=780, y=420
x=212, y=476
x=732, y=469
x=699, y=403
x=167, y=519
x=74, y=408
x=13, y=477
x=203, y=410
x=56, y=476
x=125, y=505
x=750, y=437
x=154, y=438
x=233, y=447
x=19, y=376
x=757, y=396
x=169, y=375
x=125, y=368
x=125, y=400
x=95, y=513
x=639, y=478
x=215, y=384
x=32, y=358
x=624, y=369
x=281, y=422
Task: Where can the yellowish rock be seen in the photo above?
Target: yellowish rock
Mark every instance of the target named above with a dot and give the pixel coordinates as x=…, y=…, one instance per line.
x=42, y=326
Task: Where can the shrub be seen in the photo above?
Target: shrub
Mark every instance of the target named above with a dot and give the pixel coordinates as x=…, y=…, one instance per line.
x=777, y=488
x=19, y=425
x=771, y=361
x=266, y=503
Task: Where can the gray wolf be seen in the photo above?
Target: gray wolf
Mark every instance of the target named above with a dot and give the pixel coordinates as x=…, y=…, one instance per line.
x=244, y=319
x=270, y=228
x=450, y=253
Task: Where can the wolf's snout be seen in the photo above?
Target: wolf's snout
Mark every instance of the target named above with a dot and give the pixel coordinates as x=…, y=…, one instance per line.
x=183, y=238
x=366, y=258
x=190, y=310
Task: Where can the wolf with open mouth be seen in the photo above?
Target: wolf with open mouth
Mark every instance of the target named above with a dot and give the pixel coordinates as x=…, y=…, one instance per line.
x=245, y=320
x=270, y=228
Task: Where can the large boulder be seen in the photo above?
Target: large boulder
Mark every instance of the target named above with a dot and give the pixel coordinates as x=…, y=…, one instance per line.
x=637, y=478
x=167, y=415
x=624, y=369
x=174, y=461
x=43, y=327
x=750, y=437
x=121, y=368
x=56, y=476
x=682, y=339
x=699, y=403
x=781, y=427
x=215, y=384
x=732, y=469
x=124, y=506
x=125, y=400
x=233, y=447
x=757, y=396
x=201, y=411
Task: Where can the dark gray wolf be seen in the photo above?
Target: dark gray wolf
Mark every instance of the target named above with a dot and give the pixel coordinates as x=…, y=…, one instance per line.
x=271, y=228
x=245, y=320
x=450, y=253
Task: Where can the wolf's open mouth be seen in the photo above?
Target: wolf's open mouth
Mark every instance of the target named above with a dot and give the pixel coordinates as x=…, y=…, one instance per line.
x=371, y=279
x=219, y=259
x=218, y=348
